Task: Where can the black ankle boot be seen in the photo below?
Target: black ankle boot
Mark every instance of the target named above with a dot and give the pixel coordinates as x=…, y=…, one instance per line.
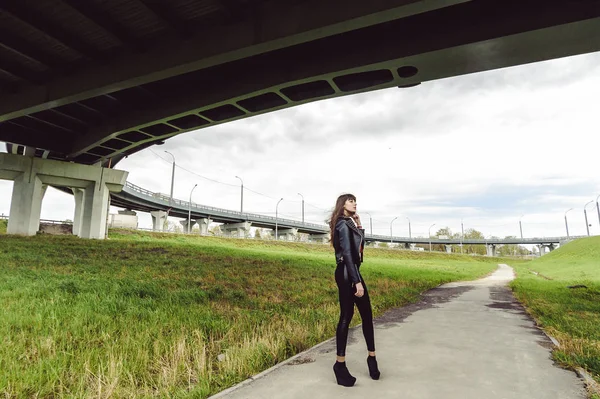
x=342, y=375
x=373, y=369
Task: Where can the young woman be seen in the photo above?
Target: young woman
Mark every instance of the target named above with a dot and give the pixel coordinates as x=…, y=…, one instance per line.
x=347, y=236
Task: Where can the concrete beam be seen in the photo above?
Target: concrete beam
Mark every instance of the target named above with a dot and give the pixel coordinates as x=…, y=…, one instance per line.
x=288, y=234
x=188, y=225
x=26, y=205
x=203, y=224
x=158, y=220
x=322, y=238
x=273, y=25
x=236, y=229
x=78, y=195
x=31, y=175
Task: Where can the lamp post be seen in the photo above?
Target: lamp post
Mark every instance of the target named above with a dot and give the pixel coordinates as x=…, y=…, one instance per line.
x=587, y=226
x=462, y=235
x=598, y=209
x=276, y=215
x=302, y=207
x=370, y=222
x=391, y=235
x=172, y=177
x=409, y=231
x=429, y=234
x=567, y=223
x=521, y=227
x=242, y=195
x=189, y=221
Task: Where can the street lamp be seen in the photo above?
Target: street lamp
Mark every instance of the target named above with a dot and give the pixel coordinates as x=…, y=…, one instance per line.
x=276, y=215
x=242, y=196
x=462, y=235
x=409, y=231
x=391, y=235
x=598, y=209
x=587, y=226
x=172, y=177
x=370, y=222
x=302, y=207
x=521, y=227
x=429, y=234
x=567, y=223
x=189, y=221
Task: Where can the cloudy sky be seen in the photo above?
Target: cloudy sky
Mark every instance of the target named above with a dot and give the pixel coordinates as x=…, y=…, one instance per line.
x=485, y=148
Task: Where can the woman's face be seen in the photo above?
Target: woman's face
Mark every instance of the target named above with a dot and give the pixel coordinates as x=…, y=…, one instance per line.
x=350, y=206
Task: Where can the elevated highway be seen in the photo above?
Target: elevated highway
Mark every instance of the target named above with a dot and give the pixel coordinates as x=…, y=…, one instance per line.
x=89, y=83
x=140, y=199
x=95, y=81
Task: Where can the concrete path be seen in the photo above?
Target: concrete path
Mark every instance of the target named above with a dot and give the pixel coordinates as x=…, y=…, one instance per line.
x=464, y=340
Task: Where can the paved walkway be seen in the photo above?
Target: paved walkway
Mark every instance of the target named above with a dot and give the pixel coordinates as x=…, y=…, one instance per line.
x=464, y=340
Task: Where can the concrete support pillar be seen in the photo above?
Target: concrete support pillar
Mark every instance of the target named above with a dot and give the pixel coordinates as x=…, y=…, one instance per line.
x=78, y=194
x=551, y=247
x=236, y=229
x=491, y=249
x=287, y=234
x=185, y=223
x=320, y=238
x=158, y=220
x=410, y=245
x=26, y=205
x=31, y=175
x=448, y=248
x=540, y=249
x=203, y=224
x=95, y=211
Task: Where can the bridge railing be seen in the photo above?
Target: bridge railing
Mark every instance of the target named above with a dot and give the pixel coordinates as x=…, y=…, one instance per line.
x=185, y=205
x=321, y=228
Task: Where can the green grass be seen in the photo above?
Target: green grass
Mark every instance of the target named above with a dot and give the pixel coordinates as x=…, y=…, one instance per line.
x=3, y=225
x=571, y=315
x=147, y=315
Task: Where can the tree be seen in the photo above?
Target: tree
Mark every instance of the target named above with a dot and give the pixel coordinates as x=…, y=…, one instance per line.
x=474, y=249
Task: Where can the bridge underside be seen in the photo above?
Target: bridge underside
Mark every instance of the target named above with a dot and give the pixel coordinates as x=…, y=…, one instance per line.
x=96, y=82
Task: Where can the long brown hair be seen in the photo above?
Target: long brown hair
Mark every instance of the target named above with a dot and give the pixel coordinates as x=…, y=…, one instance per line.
x=338, y=211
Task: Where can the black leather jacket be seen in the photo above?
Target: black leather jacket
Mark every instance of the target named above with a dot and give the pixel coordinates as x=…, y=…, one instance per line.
x=348, y=242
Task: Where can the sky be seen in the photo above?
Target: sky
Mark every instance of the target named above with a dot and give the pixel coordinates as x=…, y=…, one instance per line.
x=487, y=149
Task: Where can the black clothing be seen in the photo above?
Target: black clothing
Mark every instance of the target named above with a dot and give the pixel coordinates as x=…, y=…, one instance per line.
x=348, y=242
x=347, y=300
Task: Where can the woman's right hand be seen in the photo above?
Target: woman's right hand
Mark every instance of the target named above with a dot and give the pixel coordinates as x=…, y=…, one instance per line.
x=360, y=290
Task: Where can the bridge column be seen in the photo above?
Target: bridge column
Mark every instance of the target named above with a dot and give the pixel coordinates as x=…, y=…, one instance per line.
x=410, y=245
x=551, y=247
x=185, y=223
x=32, y=174
x=26, y=205
x=448, y=248
x=491, y=250
x=78, y=194
x=203, y=224
x=158, y=220
x=236, y=229
x=321, y=238
x=95, y=211
x=287, y=234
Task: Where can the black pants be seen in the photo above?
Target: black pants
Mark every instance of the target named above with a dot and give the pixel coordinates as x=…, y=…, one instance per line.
x=347, y=301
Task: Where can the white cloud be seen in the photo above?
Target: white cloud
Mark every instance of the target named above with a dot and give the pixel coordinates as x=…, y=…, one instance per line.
x=486, y=148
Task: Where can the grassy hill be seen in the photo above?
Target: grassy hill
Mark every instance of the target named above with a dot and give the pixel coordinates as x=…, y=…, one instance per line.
x=562, y=291
x=148, y=315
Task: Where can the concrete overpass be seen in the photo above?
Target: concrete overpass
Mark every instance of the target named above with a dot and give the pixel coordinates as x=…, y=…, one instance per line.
x=93, y=82
x=133, y=197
